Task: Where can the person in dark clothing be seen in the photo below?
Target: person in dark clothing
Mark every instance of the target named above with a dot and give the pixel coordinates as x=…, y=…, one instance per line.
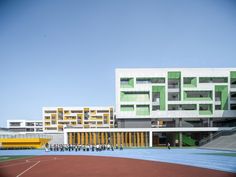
x=121, y=147
x=168, y=145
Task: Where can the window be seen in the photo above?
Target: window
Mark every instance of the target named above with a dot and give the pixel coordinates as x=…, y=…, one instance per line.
x=29, y=124
x=150, y=80
x=15, y=123
x=213, y=80
x=198, y=95
x=126, y=108
x=155, y=108
x=48, y=112
x=233, y=106
x=134, y=96
x=217, y=107
x=126, y=82
x=190, y=81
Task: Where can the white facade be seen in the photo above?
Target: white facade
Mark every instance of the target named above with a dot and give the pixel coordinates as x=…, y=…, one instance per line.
x=135, y=92
x=25, y=126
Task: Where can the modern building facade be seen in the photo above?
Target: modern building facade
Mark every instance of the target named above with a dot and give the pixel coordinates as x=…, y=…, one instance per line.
x=153, y=106
x=25, y=126
x=164, y=97
x=56, y=118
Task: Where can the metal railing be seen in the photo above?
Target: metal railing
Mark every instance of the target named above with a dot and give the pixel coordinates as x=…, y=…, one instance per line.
x=216, y=135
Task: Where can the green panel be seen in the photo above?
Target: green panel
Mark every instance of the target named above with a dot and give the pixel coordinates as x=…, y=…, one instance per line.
x=127, y=108
x=129, y=83
x=206, y=112
x=193, y=82
x=187, y=140
x=161, y=90
x=223, y=89
x=134, y=96
x=142, y=110
x=174, y=75
x=209, y=98
x=233, y=74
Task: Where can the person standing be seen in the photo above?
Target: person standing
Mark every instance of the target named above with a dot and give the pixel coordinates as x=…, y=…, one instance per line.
x=168, y=145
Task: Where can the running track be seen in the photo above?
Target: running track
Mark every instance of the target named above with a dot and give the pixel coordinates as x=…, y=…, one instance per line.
x=91, y=166
x=193, y=157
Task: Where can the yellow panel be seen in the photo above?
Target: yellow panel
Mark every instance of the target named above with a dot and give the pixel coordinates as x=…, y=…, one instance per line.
x=82, y=138
x=122, y=139
x=106, y=138
x=126, y=139
x=70, y=141
x=130, y=139
x=134, y=139
x=78, y=136
x=118, y=138
x=138, y=142
x=86, y=138
x=142, y=140
x=99, y=138
x=94, y=139
x=114, y=138
x=23, y=142
x=102, y=135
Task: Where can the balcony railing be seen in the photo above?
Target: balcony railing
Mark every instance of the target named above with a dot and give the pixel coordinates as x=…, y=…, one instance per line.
x=173, y=86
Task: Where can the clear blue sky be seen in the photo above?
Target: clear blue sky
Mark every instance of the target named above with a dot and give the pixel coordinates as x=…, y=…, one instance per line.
x=64, y=53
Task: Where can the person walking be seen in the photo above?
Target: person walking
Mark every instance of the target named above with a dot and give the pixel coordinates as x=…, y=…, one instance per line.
x=168, y=145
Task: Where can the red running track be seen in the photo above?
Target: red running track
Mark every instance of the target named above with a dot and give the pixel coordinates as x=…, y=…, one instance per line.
x=94, y=166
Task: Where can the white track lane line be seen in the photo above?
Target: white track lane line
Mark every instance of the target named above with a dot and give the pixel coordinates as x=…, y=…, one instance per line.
x=28, y=169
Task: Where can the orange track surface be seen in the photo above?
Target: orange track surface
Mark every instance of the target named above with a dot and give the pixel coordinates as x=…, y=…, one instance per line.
x=93, y=166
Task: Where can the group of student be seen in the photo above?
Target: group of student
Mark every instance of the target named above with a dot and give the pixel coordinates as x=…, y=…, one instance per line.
x=76, y=147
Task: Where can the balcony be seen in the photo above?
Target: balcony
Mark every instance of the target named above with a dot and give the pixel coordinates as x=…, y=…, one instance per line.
x=217, y=101
x=156, y=102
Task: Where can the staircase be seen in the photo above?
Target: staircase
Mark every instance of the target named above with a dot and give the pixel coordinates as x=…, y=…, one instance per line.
x=223, y=140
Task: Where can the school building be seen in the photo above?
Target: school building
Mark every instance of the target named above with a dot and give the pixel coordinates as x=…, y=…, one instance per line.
x=160, y=105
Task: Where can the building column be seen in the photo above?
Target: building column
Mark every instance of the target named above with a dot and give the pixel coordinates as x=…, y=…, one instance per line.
x=180, y=122
x=150, y=138
x=210, y=124
x=65, y=138
x=180, y=139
